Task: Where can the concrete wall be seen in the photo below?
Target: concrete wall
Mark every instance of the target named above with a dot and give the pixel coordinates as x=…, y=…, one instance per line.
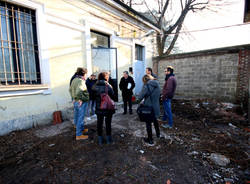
x=204, y=75
x=64, y=44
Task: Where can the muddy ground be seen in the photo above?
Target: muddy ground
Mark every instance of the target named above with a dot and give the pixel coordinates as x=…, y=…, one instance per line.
x=200, y=128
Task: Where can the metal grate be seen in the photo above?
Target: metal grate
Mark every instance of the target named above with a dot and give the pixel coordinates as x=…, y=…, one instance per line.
x=243, y=72
x=19, y=60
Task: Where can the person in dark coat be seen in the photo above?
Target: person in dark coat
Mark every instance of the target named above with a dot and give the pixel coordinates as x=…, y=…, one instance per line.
x=151, y=93
x=127, y=85
x=149, y=71
x=91, y=105
x=168, y=92
x=99, y=88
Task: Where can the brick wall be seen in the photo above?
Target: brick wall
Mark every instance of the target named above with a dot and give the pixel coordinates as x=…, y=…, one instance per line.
x=207, y=74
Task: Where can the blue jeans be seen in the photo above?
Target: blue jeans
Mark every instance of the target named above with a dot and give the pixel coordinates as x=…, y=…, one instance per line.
x=91, y=107
x=79, y=112
x=167, y=112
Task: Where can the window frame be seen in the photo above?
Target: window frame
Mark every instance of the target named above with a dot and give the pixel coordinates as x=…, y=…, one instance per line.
x=142, y=52
x=247, y=11
x=18, y=45
x=41, y=24
x=102, y=34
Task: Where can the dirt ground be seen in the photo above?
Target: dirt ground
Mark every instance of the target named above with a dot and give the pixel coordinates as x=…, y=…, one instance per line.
x=200, y=128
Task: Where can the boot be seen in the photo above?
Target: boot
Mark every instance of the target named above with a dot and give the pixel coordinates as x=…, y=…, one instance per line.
x=149, y=141
x=100, y=140
x=109, y=139
x=82, y=137
x=85, y=130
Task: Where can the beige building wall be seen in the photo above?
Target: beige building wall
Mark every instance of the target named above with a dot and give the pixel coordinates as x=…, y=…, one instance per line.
x=64, y=44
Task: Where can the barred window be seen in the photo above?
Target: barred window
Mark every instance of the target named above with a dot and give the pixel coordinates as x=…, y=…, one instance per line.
x=139, y=52
x=19, y=60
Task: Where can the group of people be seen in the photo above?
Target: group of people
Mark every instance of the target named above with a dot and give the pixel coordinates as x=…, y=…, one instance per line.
x=87, y=93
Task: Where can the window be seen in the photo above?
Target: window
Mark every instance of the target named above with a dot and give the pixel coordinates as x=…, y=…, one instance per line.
x=139, y=50
x=247, y=11
x=19, y=60
x=100, y=39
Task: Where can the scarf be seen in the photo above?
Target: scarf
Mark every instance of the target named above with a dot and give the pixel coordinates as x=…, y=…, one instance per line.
x=169, y=75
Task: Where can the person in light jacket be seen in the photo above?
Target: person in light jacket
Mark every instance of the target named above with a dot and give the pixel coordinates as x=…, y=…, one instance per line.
x=79, y=94
x=151, y=93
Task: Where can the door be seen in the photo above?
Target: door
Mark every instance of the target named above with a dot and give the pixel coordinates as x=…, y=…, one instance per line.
x=139, y=67
x=105, y=59
x=139, y=72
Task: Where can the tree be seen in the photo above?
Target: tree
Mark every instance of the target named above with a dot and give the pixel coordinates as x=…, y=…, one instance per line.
x=169, y=16
x=171, y=26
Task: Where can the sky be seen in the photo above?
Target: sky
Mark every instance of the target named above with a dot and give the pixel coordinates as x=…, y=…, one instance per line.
x=229, y=13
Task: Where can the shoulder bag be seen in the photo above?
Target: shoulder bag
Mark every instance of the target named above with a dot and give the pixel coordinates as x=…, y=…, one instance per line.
x=106, y=102
x=145, y=112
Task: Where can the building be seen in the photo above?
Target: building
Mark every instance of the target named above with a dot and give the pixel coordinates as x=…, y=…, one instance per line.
x=44, y=41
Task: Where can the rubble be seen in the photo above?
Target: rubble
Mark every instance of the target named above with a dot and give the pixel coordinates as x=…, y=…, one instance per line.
x=219, y=159
x=187, y=153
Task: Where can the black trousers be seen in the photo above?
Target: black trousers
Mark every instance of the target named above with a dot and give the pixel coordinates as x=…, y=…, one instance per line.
x=127, y=102
x=100, y=119
x=149, y=128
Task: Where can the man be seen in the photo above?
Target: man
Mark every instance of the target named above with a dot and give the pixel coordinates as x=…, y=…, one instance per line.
x=80, y=96
x=91, y=105
x=149, y=71
x=167, y=95
x=127, y=85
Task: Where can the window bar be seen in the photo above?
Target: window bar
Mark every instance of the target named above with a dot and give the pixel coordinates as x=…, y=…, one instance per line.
x=4, y=66
x=14, y=30
x=9, y=46
x=32, y=42
x=20, y=31
x=27, y=41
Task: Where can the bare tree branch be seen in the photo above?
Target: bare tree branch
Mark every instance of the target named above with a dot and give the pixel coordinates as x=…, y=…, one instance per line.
x=179, y=20
x=150, y=11
x=181, y=5
x=172, y=44
x=163, y=12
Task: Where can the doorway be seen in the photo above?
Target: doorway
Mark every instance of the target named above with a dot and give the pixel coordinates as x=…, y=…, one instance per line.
x=105, y=59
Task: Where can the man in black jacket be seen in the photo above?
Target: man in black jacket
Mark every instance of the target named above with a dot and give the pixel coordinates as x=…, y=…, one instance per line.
x=127, y=85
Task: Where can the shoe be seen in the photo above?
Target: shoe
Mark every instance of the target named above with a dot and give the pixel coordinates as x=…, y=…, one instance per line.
x=88, y=118
x=109, y=139
x=160, y=137
x=148, y=141
x=124, y=113
x=100, y=140
x=166, y=126
x=131, y=112
x=82, y=137
x=161, y=121
x=85, y=131
x=93, y=116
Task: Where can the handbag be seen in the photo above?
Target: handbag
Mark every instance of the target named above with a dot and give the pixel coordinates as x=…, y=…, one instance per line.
x=106, y=102
x=145, y=112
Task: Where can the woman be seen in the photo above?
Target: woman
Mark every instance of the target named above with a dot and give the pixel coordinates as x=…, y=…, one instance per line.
x=151, y=94
x=98, y=89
